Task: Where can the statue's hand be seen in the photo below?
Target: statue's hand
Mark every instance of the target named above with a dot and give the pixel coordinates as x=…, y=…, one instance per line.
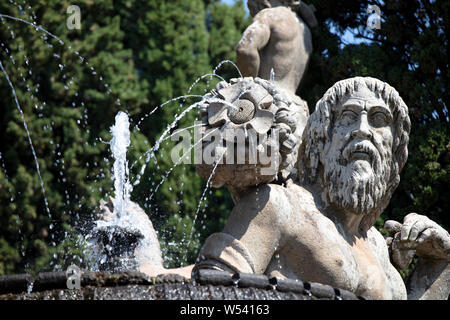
x=418, y=235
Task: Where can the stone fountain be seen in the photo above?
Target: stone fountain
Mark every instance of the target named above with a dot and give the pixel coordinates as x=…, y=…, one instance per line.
x=307, y=191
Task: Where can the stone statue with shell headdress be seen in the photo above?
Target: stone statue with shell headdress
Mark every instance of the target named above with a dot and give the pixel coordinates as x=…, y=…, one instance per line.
x=308, y=213
x=273, y=55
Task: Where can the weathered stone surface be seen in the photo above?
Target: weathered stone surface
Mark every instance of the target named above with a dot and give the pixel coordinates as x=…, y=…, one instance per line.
x=350, y=158
x=347, y=295
x=324, y=291
x=422, y=237
x=248, y=280
x=15, y=283
x=250, y=118
x=160, y=292
x=418, y=234
x=170, y=278
x=277, y=44
x=213, y=277
x=286, y=285
x=122, y=248
x=430, y=280
x=130, y=285
x=50, y=280
x=58, y=280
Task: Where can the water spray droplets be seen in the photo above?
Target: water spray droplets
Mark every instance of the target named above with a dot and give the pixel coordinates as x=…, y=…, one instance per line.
x=69, y=81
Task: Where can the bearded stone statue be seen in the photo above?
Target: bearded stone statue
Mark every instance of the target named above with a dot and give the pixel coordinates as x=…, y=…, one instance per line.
x=312, y=217
x=319, y=226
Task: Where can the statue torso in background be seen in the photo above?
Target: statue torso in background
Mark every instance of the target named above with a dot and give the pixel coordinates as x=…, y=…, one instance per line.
x=277, y=39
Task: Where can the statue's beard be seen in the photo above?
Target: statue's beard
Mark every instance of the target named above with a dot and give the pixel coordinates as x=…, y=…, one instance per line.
x=353, y=183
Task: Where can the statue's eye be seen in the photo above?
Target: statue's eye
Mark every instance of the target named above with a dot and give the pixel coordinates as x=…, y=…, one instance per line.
x=348, y=117
x=379, y=119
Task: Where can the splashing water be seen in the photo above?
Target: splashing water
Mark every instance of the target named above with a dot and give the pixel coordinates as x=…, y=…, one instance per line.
x=115, y=240
x=202, y=77
x=29, y=138
x=230, y=62
x=208, y=183
x=119, y=145
x=272, y=75
x=120, y=131
x=179, y=161
x=163, y=104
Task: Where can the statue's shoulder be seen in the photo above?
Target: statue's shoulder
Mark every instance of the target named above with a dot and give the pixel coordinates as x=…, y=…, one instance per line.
x=276, y=204
x=299, y=194
x=378, y=243
x=292, y=195
x=376, y=238
x=276, y=13
x=288, y=189
x=380, y=248
x=270, y=193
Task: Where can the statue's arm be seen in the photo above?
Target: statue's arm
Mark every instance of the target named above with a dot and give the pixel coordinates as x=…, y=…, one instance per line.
x=422, y=237
x=255, y=37
x=251, y=236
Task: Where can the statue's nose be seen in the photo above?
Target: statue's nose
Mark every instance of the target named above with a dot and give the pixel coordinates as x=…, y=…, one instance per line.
x=363, y=128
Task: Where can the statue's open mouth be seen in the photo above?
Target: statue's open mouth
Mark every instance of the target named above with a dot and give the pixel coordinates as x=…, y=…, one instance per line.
x=360, y=150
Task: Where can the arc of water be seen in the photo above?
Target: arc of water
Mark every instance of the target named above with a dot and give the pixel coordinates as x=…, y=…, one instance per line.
x=185, y=96
x=228, y=61
x=29, y=139
x=141, y=172
x=179, y=161
x=19, y=69
x=150, y=153
x=228, y=104
x=180, y=97
x=165, y=103
x=33, y=25
x=49, y=126
x=170, y=127
x=184, y=129
x=152, y=150
x=45, y=38
x=39, y=27
x=208, y=182
x=202, y=77
x=214, y=74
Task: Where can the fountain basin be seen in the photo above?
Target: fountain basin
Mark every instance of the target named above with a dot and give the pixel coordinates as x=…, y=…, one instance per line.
x=132, y=285
x=117, y=245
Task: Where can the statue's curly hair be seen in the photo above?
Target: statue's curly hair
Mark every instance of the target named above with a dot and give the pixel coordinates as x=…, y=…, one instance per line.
x=317, y=133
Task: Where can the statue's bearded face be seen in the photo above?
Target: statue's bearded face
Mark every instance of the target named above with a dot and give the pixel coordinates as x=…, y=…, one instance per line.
x=358, y=158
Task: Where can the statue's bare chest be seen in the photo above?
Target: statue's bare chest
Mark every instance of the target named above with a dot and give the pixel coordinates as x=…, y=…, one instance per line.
x=319, y=252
